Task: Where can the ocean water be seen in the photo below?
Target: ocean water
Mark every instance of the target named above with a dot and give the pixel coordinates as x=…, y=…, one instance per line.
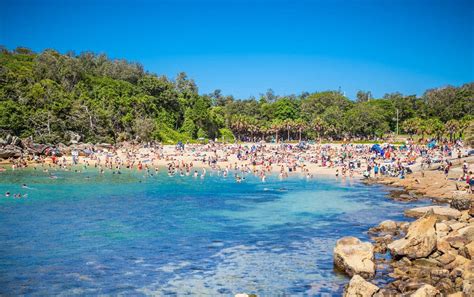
x=129, y=234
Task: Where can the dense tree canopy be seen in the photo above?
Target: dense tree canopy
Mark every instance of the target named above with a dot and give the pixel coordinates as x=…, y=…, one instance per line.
x=54, y=97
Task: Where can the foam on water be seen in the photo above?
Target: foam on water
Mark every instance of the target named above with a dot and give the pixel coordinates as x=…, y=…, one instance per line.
x=137, y=235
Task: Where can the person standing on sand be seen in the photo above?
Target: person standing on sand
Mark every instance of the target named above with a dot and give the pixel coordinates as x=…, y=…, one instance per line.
x=446, y=169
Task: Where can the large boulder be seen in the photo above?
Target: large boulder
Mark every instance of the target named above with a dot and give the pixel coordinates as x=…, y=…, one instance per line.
x=461, y=203
x=426, y=291
x=388, y=225
x=441, y=212
x=420, y=240
x=10, y=151
x=467, y=232
x=469, y=250
x=354, y=257
x=359, y=287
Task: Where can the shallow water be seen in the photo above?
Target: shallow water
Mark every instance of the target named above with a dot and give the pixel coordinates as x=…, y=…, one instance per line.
x=136, y=235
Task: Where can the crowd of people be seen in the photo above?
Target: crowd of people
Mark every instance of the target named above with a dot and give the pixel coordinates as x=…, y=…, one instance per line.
x=260, y=159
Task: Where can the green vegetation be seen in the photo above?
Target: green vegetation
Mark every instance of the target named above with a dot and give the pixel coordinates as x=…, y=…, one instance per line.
x=55, y=97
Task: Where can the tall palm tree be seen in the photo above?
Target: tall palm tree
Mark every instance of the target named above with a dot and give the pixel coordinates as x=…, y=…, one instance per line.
x=300, y=125
x=319, y=125
x=252, y=127
x=410, y=126
x=452, y=127
x=469, y=137
x=263, y=129
x=239, y=125
x=464, y=123
x=436, y=127
x=288, y=124
x=276, y=127
x=421, y=128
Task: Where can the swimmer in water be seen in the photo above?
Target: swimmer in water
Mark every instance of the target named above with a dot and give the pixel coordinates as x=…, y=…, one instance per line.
x=7, y=194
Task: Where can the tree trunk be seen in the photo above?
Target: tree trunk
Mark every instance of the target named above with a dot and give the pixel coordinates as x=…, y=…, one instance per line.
x=300, y=135
x=49, y=124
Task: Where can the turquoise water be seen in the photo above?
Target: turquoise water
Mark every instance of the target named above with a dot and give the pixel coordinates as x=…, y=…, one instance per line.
x=90, y=234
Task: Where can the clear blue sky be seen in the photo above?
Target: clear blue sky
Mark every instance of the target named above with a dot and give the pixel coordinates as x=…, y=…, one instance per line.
x=245, y=47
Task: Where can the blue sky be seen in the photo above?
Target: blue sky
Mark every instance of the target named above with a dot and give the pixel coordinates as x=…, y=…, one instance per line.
x=245, y=47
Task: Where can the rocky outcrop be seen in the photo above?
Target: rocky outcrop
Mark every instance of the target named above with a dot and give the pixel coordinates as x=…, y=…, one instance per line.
x=10, y=151
x=354, y=257
x=420, y=240
x=14, y=147
x=435, y=257
x=359, y=287
x=441, y=212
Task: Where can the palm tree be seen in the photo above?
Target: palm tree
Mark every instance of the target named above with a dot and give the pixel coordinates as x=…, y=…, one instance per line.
x=452, y=126
x=318, y=124
x=239, y=124
x=275, y=127
x=300, y=125
x=410, y=126
x=464, y=123
x=469, y=137
x=436, y=127
x=252, y=127
x=288, y=124
x=263, y=129
x=421, y=128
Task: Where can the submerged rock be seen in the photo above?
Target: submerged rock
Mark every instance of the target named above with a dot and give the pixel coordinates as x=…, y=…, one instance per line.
x=420, y=240
x=359, y=287
x=354, y=257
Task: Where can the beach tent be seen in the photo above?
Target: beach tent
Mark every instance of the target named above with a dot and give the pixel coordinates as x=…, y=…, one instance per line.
x=376, y=148
x=432, y=144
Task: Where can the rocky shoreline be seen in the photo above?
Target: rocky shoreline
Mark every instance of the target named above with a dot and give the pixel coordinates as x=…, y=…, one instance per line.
x=432, y=256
